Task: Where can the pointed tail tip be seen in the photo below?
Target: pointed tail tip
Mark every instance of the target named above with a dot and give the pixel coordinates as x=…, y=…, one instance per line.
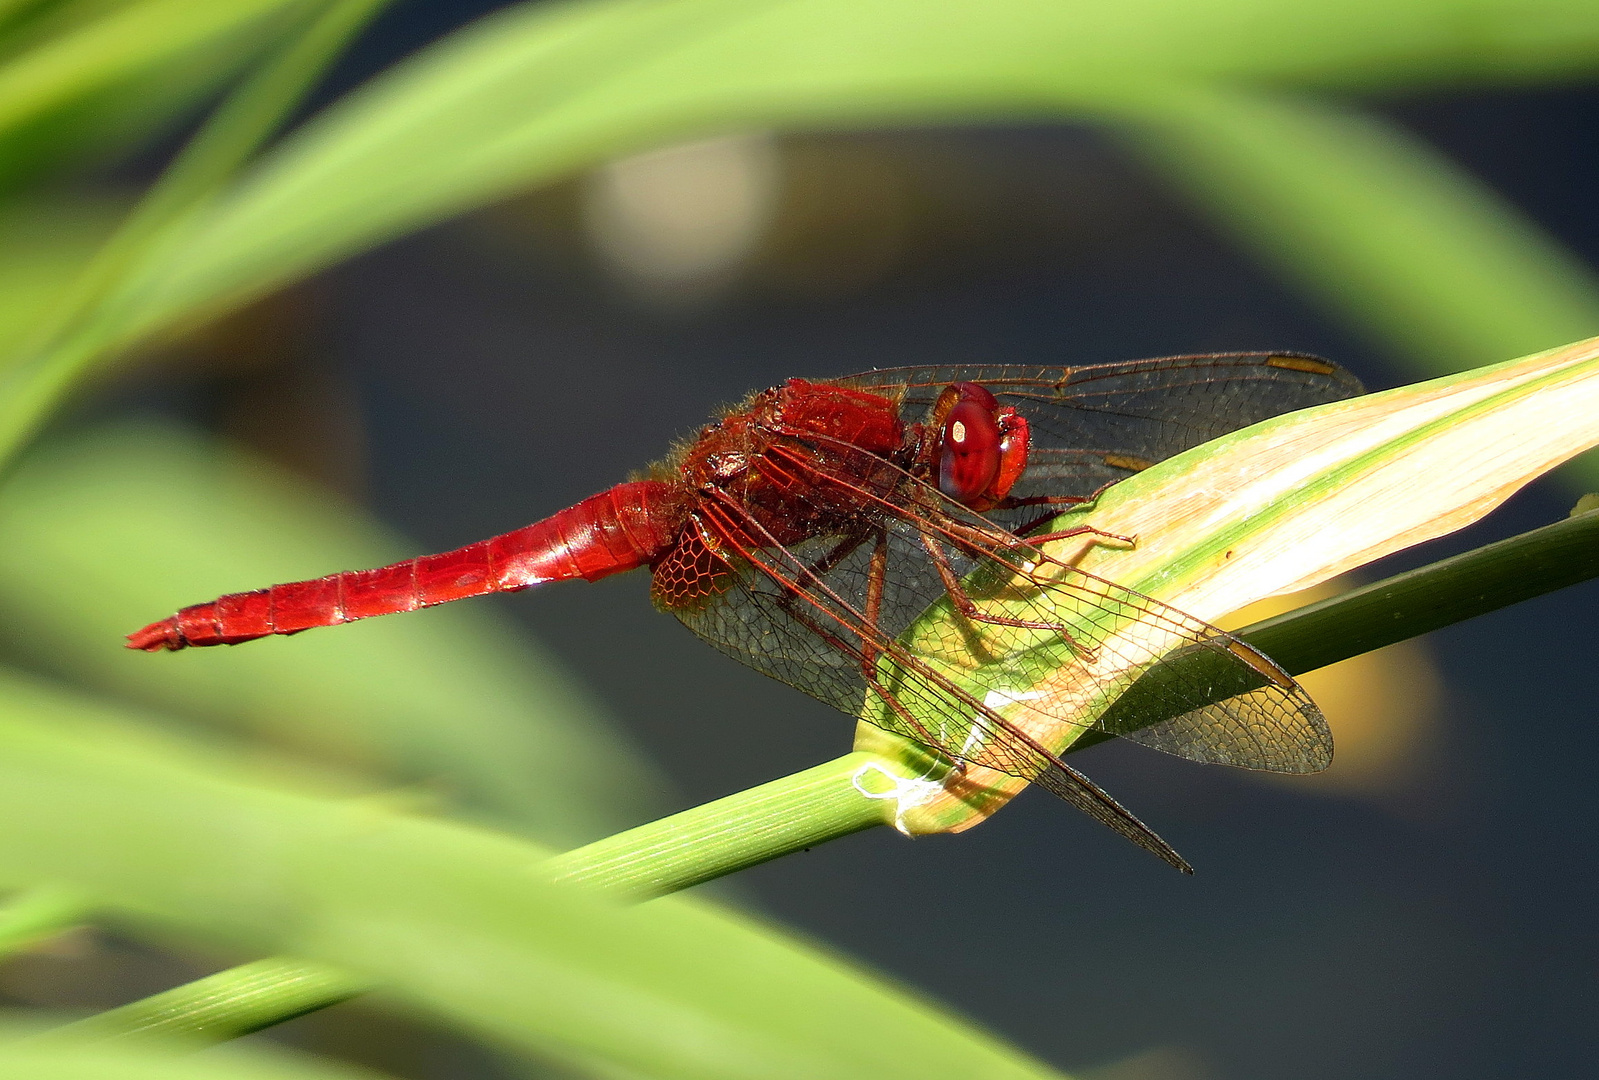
x=160, y=636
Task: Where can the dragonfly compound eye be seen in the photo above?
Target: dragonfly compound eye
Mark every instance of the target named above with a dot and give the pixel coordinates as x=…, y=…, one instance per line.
x=969, y=452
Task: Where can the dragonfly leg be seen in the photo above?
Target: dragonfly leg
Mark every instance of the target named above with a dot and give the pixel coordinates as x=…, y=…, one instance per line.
x=876, y=578
x=1036, y=523
x=812, y=572
x=986, y=544
x=968, y=607
x=981, y=541
x=1015, y=503
x=841, y=551
x=1083, y=530
x=1026, y=531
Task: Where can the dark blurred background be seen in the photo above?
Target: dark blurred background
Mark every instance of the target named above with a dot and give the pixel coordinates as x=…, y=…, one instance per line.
x=1425, y=911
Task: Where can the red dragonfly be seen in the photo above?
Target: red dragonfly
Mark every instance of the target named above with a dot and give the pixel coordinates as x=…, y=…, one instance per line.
x=806, y=531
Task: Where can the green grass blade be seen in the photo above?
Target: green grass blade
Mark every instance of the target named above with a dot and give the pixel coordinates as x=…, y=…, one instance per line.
x=1324, y=490
x=123, y=42
x=59, y=1055
x=38, y=913
x=238, y=128
x=1431, y=597
x=829, y=801
x=98, y=123
x=117, y=529
x=1377, y=225
x=1275, y=508
x=223, y=1006
x=252, y=114
x=249, y=116
x=455, y=921
x=541, y=91
x=44, y=245
x=549, y=90
x=1406, y=605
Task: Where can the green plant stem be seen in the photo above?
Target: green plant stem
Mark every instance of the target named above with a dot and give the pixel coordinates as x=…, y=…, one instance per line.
x=718, y=838
x=37, y=914
x=827, y=801
x=225, y=1005
x=1441, y=594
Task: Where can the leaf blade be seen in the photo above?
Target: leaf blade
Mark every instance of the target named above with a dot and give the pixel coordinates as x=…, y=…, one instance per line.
x=454, y=920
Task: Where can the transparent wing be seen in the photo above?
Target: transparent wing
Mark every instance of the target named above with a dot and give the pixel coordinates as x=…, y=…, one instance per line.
x=767, y=609
x=948, y=589
x=1093, y=655
x=1096, y=424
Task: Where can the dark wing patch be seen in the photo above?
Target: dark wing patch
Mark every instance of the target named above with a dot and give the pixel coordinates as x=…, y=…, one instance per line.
x=690, y=575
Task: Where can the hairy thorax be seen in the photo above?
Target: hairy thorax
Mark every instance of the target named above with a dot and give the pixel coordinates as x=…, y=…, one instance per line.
x=801, y=457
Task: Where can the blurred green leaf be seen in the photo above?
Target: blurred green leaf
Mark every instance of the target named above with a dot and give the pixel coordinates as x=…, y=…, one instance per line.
x=456, y=921
x=124, y=41
x=86, y=80
x=105, y=124
x=223, y=1006
x=543, y=90
x=1379, y=226
x=48, y=358
x=44, y=245
x=35, y=914
x=447, y=915
x=25, y=1056
x=109, y=532
x=1406, y=246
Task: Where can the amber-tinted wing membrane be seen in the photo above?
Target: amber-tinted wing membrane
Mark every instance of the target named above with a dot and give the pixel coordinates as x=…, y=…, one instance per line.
x=797, y=613
x=1002, y=697
x=1201, y=694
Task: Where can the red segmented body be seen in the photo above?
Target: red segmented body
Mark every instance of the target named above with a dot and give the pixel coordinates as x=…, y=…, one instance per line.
x=626, y=527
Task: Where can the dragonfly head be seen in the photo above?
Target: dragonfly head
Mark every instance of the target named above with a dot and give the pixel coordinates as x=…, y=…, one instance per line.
x=982, y=446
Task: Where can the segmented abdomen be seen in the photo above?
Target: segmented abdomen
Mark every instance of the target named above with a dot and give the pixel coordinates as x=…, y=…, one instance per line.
x=620, y=529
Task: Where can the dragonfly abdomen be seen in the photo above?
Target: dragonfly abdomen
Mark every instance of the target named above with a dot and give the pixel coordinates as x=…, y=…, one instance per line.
x=620, y=529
